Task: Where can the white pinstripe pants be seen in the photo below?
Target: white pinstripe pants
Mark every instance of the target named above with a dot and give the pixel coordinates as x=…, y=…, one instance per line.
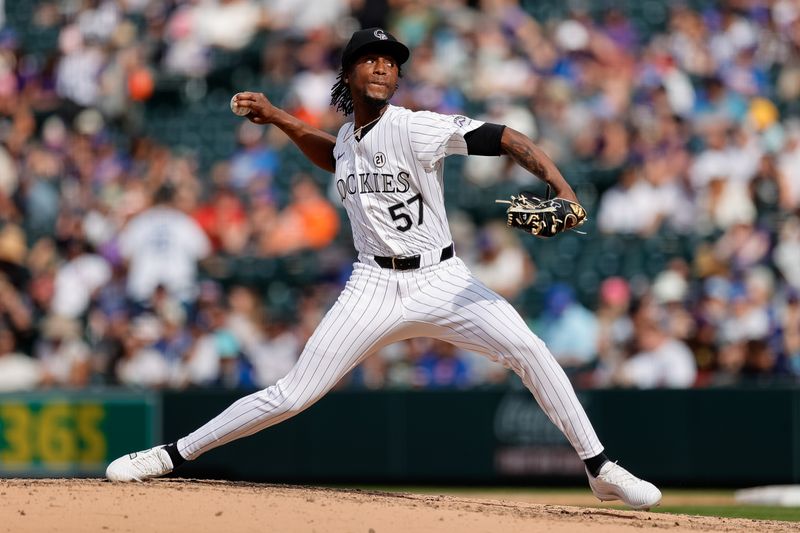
x=378, y=307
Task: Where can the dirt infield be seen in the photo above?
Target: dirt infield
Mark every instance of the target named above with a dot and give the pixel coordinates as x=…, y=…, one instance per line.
x=174, y=505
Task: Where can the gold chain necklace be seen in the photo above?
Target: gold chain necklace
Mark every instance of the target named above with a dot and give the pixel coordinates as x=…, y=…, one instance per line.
x=357, y=131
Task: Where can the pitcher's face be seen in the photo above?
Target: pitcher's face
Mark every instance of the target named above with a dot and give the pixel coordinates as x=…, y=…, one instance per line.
x=373, y=77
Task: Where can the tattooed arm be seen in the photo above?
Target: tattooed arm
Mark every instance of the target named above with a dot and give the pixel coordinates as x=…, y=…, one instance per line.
x=530, y=157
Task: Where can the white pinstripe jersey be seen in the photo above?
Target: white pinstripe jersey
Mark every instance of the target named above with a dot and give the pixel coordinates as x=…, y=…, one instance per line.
x=391, y=181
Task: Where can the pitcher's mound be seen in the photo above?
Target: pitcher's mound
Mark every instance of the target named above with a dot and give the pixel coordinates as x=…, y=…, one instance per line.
x=176, y=505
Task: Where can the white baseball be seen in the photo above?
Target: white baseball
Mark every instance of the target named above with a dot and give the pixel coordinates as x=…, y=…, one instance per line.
x=241, y=111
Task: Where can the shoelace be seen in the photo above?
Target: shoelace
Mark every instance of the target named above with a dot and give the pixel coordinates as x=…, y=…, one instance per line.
x=619, y=476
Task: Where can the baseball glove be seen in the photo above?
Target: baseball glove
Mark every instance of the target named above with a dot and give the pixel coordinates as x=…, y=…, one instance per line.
x=543, y=218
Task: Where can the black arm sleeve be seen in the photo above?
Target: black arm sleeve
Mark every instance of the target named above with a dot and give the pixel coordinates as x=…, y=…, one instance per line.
x=485, y=140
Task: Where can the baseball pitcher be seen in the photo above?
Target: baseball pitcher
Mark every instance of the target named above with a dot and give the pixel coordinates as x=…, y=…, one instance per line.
x=408, y=281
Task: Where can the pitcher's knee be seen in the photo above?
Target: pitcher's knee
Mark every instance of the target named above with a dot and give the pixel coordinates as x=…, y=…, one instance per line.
x=524, y=353
x=287, y=398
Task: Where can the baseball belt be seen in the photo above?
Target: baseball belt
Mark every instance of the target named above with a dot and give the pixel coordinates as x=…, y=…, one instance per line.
x=411, y=262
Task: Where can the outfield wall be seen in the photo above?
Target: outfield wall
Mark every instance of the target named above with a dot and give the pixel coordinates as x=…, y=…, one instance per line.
x=697, y=437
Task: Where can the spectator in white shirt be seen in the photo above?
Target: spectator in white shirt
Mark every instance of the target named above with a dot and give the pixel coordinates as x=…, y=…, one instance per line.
x=662, y=360
x=78, y=279
x=631, y=206
x=163, y=246
x=64, y=356
x=143, y=365
x=17, y=370
x=720, y=177
x=502, y=264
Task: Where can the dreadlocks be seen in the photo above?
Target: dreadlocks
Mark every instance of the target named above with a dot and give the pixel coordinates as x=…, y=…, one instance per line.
x=340, y=95
x=341, y=98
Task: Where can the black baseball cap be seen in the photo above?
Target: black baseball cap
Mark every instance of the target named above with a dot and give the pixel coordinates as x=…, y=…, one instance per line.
x=374, y=40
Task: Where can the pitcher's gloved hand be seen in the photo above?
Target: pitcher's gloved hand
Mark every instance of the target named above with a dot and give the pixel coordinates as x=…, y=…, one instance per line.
x=543, y=218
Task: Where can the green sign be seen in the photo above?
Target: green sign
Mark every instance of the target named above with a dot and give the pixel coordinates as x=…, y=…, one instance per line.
x=66, y=433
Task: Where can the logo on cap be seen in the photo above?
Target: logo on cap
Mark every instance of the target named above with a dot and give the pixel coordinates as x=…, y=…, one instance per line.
x=380, y=35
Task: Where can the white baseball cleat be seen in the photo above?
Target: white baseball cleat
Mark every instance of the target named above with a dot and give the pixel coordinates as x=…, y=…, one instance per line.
x=139, y=466
x=615, y=483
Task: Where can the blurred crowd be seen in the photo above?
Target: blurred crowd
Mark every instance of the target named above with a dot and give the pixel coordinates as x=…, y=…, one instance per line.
x=687, y=123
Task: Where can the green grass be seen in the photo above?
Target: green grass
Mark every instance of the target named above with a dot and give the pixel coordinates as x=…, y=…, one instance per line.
x=756, y=512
